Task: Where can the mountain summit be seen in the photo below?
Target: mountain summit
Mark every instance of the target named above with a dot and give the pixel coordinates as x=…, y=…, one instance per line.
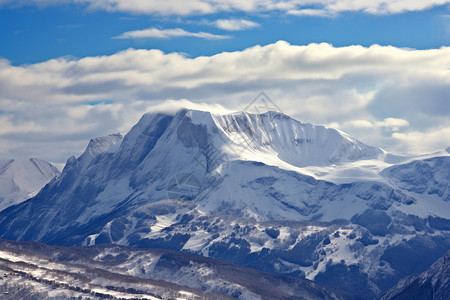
x=260, y=190
x=20, y=180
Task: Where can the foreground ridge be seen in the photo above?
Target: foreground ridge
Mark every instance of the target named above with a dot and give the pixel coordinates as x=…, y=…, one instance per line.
x=108, y=271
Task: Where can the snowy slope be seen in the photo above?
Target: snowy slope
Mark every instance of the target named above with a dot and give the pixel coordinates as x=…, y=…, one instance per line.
x=260, y=190
x=47, y=272
x=428, y=176
x=297, y=144
x=106, y=144
x=21, y=180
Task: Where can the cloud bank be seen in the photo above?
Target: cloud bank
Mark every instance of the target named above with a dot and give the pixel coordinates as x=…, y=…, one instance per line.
x=387, y=96
x=202, y=7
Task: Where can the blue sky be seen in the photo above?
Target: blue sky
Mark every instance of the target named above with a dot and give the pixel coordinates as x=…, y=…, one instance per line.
x=71, y=70
x=31, y=34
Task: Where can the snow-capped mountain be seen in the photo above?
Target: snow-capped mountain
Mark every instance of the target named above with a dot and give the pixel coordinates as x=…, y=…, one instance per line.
x=260, y=190
x=21, y=180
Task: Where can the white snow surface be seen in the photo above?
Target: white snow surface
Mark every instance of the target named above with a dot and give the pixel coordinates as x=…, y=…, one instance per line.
x=290, y=141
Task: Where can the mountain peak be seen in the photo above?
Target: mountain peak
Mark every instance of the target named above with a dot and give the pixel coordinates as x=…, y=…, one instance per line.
x=99, y=145
x=22, y=179
x=270, y=137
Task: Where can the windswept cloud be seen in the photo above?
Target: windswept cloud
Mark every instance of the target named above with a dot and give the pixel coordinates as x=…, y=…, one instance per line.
x=235, y=24
x=202, y=7
x=167, y=34
x=394, y=96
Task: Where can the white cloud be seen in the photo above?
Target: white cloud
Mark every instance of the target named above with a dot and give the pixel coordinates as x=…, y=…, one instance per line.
x=359, y=124
x=308, y=12
x=370, y=92
x=235, y=24
x=389, y=123
x=420, y=142
x=393, y=123
x=173, y=106
x=168, y=33
x=201, y=7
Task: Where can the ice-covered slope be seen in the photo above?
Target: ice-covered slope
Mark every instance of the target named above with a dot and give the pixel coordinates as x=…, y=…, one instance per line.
x=248, y=188
x=20, y=180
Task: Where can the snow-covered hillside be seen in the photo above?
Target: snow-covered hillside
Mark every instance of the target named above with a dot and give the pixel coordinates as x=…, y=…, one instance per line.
x=37, y=271
x=274, y=136
x=21, y=180
x=260, y=190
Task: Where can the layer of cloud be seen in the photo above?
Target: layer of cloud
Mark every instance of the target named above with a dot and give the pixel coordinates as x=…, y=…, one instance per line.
x=201, y=7
x=168, y=33
x=385, y=96
x=235, y=24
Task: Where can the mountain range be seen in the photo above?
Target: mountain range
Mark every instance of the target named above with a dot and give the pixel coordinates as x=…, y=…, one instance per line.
x=263, y=191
